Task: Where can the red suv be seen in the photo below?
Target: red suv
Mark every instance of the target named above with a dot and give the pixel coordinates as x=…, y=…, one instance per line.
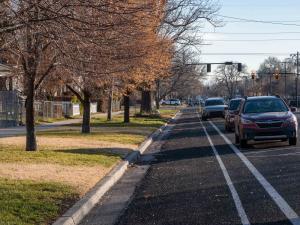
x=265, y=118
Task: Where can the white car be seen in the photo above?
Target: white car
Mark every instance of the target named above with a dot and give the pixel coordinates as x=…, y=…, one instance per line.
x=171, y=102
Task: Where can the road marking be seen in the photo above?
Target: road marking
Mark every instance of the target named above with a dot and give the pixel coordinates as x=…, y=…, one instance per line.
x=235, y=196
x=256, y=151
x=277, y=155
x=277, y=198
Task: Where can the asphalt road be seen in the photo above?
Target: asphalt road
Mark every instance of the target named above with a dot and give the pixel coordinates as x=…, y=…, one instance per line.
x=197, y=176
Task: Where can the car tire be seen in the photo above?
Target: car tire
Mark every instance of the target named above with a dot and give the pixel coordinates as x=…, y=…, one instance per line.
x=243, y=143
x=293, y=141
x=237, y=139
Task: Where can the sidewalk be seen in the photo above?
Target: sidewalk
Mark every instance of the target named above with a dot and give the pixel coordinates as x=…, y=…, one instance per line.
x=12, y=131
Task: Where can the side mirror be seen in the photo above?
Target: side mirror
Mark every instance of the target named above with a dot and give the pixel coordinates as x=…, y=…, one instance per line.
x=293, y=109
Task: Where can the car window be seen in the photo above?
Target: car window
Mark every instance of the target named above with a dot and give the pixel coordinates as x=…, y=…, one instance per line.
x=265, y=105
x=234, y=104
x=214, y=102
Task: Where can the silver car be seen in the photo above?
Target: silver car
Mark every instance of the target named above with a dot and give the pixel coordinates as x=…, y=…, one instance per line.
x=214, y=107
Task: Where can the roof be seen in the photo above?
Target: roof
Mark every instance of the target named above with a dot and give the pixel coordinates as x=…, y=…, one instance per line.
x=236, y=99
x=5, y=71
x=216, y=98
x=262, y=97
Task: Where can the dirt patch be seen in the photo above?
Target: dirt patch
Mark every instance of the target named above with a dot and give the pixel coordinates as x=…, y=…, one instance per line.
x=82, y=178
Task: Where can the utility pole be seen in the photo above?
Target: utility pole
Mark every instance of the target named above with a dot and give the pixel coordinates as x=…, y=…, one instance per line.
x=285, y=71
x=261, y=85
x=270, y=88
x=297, y=64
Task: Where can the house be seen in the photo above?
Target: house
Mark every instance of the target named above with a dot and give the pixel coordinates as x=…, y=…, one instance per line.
x=9, y=102
x=6, y=78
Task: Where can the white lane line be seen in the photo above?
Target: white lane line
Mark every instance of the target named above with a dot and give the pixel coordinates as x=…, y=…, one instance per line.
x=277, y=198
x=256, y=151
x=274, y=156
x=235, y=196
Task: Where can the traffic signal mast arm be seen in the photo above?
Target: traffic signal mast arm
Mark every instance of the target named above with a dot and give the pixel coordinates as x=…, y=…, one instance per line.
x=208, y=65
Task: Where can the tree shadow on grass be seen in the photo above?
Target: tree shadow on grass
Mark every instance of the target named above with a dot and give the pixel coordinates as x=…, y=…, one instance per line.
x=119, y=152
x=121, y=124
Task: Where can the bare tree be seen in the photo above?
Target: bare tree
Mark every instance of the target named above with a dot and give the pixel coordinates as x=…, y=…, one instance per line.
x=39, y=35
x=229, y=77
x=185, y=77
x=181, y=23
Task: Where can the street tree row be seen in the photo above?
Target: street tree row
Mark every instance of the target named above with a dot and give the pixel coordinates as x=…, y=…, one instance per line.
x=91, y=46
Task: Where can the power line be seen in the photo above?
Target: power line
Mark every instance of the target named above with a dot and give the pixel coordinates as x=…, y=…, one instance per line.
x=252, y=40
x=268, y=21
x=252, y=33
x=246, y=53
x=260, y=21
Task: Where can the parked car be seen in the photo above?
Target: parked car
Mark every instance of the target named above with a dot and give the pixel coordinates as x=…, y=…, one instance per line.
x=230, y=113
x=214, y=107
x=171, y=102
x=293, y=103
x=265, y=118
x=195, y=102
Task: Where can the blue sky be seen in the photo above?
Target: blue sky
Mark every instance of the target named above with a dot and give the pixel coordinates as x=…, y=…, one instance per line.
x=287, y=11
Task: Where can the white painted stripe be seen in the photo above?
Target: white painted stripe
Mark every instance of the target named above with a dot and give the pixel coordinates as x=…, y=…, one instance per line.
x=235, y=196
x=277, y=198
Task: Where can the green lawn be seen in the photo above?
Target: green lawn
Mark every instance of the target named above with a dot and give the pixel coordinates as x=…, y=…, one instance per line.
x=68, y=157
x=136, y=121
x=26, y=202
x=33, y=203
x=123, y=136
x=41, y=120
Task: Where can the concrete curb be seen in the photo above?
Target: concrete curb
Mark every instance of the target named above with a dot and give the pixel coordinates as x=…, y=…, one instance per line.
x=81, y=208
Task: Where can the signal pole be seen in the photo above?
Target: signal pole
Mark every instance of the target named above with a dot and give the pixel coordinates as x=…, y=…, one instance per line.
x=297, y=63
x=285, y=71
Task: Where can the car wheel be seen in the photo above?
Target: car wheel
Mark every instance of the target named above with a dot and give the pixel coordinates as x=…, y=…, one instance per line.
x=293, y=141
x=243, y=143
x=237, y=139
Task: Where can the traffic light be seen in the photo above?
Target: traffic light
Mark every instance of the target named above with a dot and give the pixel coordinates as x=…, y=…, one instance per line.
x=277, y=74
x=252, y=75
x=208, y=68
x=240, y=67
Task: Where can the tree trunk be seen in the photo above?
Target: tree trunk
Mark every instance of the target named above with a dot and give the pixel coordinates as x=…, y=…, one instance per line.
x=157, y=96
x=10, y=84
x=100, y=105
x=146, y=103
x=86, y=120
x=157, y=102
x=109, y=106
x=30, y=121
x=126, y=99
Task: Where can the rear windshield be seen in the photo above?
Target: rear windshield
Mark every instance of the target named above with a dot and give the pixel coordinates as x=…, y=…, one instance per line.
x=265, y=105
x=214, y=102
x=234, y=104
